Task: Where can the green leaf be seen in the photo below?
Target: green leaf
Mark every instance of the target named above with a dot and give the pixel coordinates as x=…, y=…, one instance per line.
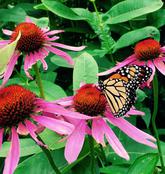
x=40, y=7
x=15, y=14
x=27, y=146
x=114, y=170
x=52, y=139
x=141, y=95
x=128, y=9
x=144, y=164
x=157, y=18
x=6, y=53
x=52, y=91
x=85, y=70
x=147, y=116
x=134, y=36
x=39, y=164
x=61, y=10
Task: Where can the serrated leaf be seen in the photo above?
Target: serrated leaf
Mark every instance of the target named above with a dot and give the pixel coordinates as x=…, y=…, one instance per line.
x=85, y=70
x=128, y=9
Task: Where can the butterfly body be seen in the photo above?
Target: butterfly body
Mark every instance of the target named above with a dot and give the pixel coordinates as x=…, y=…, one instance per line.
x=120, y=87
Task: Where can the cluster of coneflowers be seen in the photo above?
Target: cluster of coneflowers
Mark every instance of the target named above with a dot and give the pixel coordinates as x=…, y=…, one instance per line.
x=22, y=112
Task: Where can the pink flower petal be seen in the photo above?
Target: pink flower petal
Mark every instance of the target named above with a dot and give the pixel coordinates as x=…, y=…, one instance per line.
x=66, y=101
x=52, y=32
x=67, y=46
x=160, y=65
x=132, y=131
x=75, y=142
x=98, y=131
x=4, y=42
x=32, y=128
x=7, y=32
x=114, y=141
x=1, y=137
x=162, y=49
x=10, y=67
x=151, y=65
x=12, y=159
x=135, y=112
x=28, y=20
x=51, y=39
x=61, y=54
x=58, y=126
x=59, y=110
x=22, y=130
x=127, y=61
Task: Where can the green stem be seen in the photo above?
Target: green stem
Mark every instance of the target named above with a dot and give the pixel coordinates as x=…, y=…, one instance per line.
x=39, y=81
x=155, y=110
x=46, y=151
x=49, y=157
x=91, y=145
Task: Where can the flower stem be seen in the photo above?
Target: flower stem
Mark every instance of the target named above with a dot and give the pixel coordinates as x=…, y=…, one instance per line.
x=50, y=158
x=46, y=151
x=91, y=145
x=39, y=81
x=155, y=110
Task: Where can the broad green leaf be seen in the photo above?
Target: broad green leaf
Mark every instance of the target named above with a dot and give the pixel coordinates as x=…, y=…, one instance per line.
x=147, y=116
x=41, y=22
x=40, y=7
x=52, y=139
x=27, y=146
x=61, y=10
x=51, y=90
x=128, y=9
x=134, y=36
x=15, y=14
x=144, y=164
x=114, y=170
x=39, y=164
x=6, y=53
x=85, y=70
x=141, y=95
x=157, y=18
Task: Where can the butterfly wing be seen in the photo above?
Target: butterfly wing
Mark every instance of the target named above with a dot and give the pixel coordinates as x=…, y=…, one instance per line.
x=120, y=87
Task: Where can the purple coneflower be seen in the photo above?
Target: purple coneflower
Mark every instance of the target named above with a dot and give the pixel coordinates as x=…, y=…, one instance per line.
x=147, y=52
x=21, y=112
x=35, y=43
x=90, y=101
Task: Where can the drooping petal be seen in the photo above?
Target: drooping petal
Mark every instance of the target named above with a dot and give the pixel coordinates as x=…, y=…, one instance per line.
x=113, y=140
x=127, y=61
x=52, y=32
x=160, y=65
x=4, y=42
x=59, y=110
x=162, y=49
x=51, y=39
x=62, y=54
x=132, y=131
x=28, y=20
x=66, y=101
x=32, y=128
x=75, y=142
x=97, y=131
x=58, y=126
x=1, y=137
x=135, y=112
x=22, y=130
x=7, y=32
x=67, y=46
x=151, y=65
x=12, y=158
x=10, y=68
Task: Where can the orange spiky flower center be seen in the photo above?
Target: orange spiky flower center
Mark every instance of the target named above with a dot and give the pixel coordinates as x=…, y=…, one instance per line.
x=16, y=105
x=147, y=49
x=32, y=37
x=89, y=100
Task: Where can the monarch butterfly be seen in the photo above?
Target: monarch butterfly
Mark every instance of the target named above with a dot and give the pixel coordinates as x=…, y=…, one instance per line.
x=120, y=87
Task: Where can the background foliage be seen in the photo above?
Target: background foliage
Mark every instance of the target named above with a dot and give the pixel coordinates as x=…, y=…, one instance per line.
x=109, y=32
